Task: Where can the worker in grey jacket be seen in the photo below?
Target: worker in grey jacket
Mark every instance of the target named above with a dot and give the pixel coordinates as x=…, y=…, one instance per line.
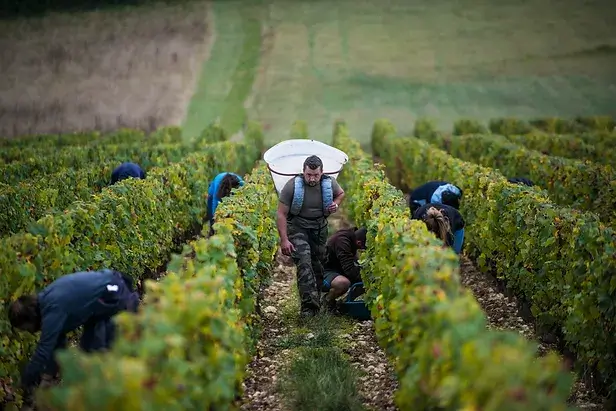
x=89, y=298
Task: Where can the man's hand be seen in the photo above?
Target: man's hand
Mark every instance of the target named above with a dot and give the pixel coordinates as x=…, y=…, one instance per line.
x=286, y=247
x=332, y=208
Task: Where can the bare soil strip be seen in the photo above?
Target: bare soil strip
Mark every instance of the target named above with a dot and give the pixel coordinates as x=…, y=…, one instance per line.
x=101, y=70
x=260, y=385
x=503, y=314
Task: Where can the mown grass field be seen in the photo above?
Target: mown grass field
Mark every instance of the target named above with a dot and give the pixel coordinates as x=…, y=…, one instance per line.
x=361, y=60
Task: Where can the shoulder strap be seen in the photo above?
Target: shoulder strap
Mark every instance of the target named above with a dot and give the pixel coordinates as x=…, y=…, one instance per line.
x=298, y=195
x=327, y=191
x=438, y=193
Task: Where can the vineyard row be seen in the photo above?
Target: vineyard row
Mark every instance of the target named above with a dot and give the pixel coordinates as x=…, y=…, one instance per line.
x=133, y=233
x=579, y=184
x=49, y=184
x=559, y=259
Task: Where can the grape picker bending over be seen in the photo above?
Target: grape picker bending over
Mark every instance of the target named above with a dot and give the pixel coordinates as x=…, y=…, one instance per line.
x=126, y=170
x=440, y=192
x=220, y=188
x=341, y=268
x=304, y=205
x=88, y=298
x=444, y=221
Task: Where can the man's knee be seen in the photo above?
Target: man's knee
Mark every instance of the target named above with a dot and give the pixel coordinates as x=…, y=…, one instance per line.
x=341, y=284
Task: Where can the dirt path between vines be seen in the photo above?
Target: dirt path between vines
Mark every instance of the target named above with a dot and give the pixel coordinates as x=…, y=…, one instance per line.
x=503, y=314
x=376, y=384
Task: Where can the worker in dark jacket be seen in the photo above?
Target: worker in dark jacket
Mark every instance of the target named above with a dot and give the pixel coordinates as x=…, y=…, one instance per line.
x=441, y=192
x=89, y=298
x=521, y=181
x=444, y=221
x=126, y=170
x=341, y=268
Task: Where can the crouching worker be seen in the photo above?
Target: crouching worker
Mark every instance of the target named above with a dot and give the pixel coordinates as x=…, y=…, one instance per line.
x=127, y=170
x=84, y=298
x=444, y=221
x=440, y=192
x=220, y=188
x=341, y=268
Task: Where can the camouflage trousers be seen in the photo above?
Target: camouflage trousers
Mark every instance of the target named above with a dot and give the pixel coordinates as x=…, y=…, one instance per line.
x=308, y=256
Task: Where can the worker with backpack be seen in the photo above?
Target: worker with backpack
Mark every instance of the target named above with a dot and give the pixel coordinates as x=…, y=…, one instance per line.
x=441, y=192
x=305, y=202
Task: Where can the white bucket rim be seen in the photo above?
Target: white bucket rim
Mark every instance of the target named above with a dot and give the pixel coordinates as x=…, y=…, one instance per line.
x=286, y=142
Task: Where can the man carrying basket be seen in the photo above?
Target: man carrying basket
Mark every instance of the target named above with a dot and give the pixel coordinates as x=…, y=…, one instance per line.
x=305, y=203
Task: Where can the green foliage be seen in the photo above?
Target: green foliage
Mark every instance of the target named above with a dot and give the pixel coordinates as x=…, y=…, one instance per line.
x=466, y=126
x=563, y=146
x=594, y=144
x=597, y=123
x=596, y=131
x=552, y=125
x=445, y=357
x=299, y=130
x=507, y=126
x=29, y=200
x=188, y=346
x=381, y=128
x=214, y=133
x=45, y=141
x=36, y=164
x=254, y=135
x=556, y=125
x=252, y=212
x=130, y=226
x=560, y=259
x=38, y=147
x=579, y=184
x=423, y=126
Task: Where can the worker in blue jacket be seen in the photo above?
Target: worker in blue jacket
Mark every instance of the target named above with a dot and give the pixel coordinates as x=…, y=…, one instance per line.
x=89, y=298
x=444, y=221
x=441, y=192
x=220, y=188
x=126, y=170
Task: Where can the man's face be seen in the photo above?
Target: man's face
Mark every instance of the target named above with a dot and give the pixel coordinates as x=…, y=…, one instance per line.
x=312, y=177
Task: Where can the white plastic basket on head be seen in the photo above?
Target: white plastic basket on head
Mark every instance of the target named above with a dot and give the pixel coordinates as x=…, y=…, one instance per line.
x=286, y=159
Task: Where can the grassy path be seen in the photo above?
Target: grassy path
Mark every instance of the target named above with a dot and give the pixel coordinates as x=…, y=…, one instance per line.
x=227, y=75
x=330, y=363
